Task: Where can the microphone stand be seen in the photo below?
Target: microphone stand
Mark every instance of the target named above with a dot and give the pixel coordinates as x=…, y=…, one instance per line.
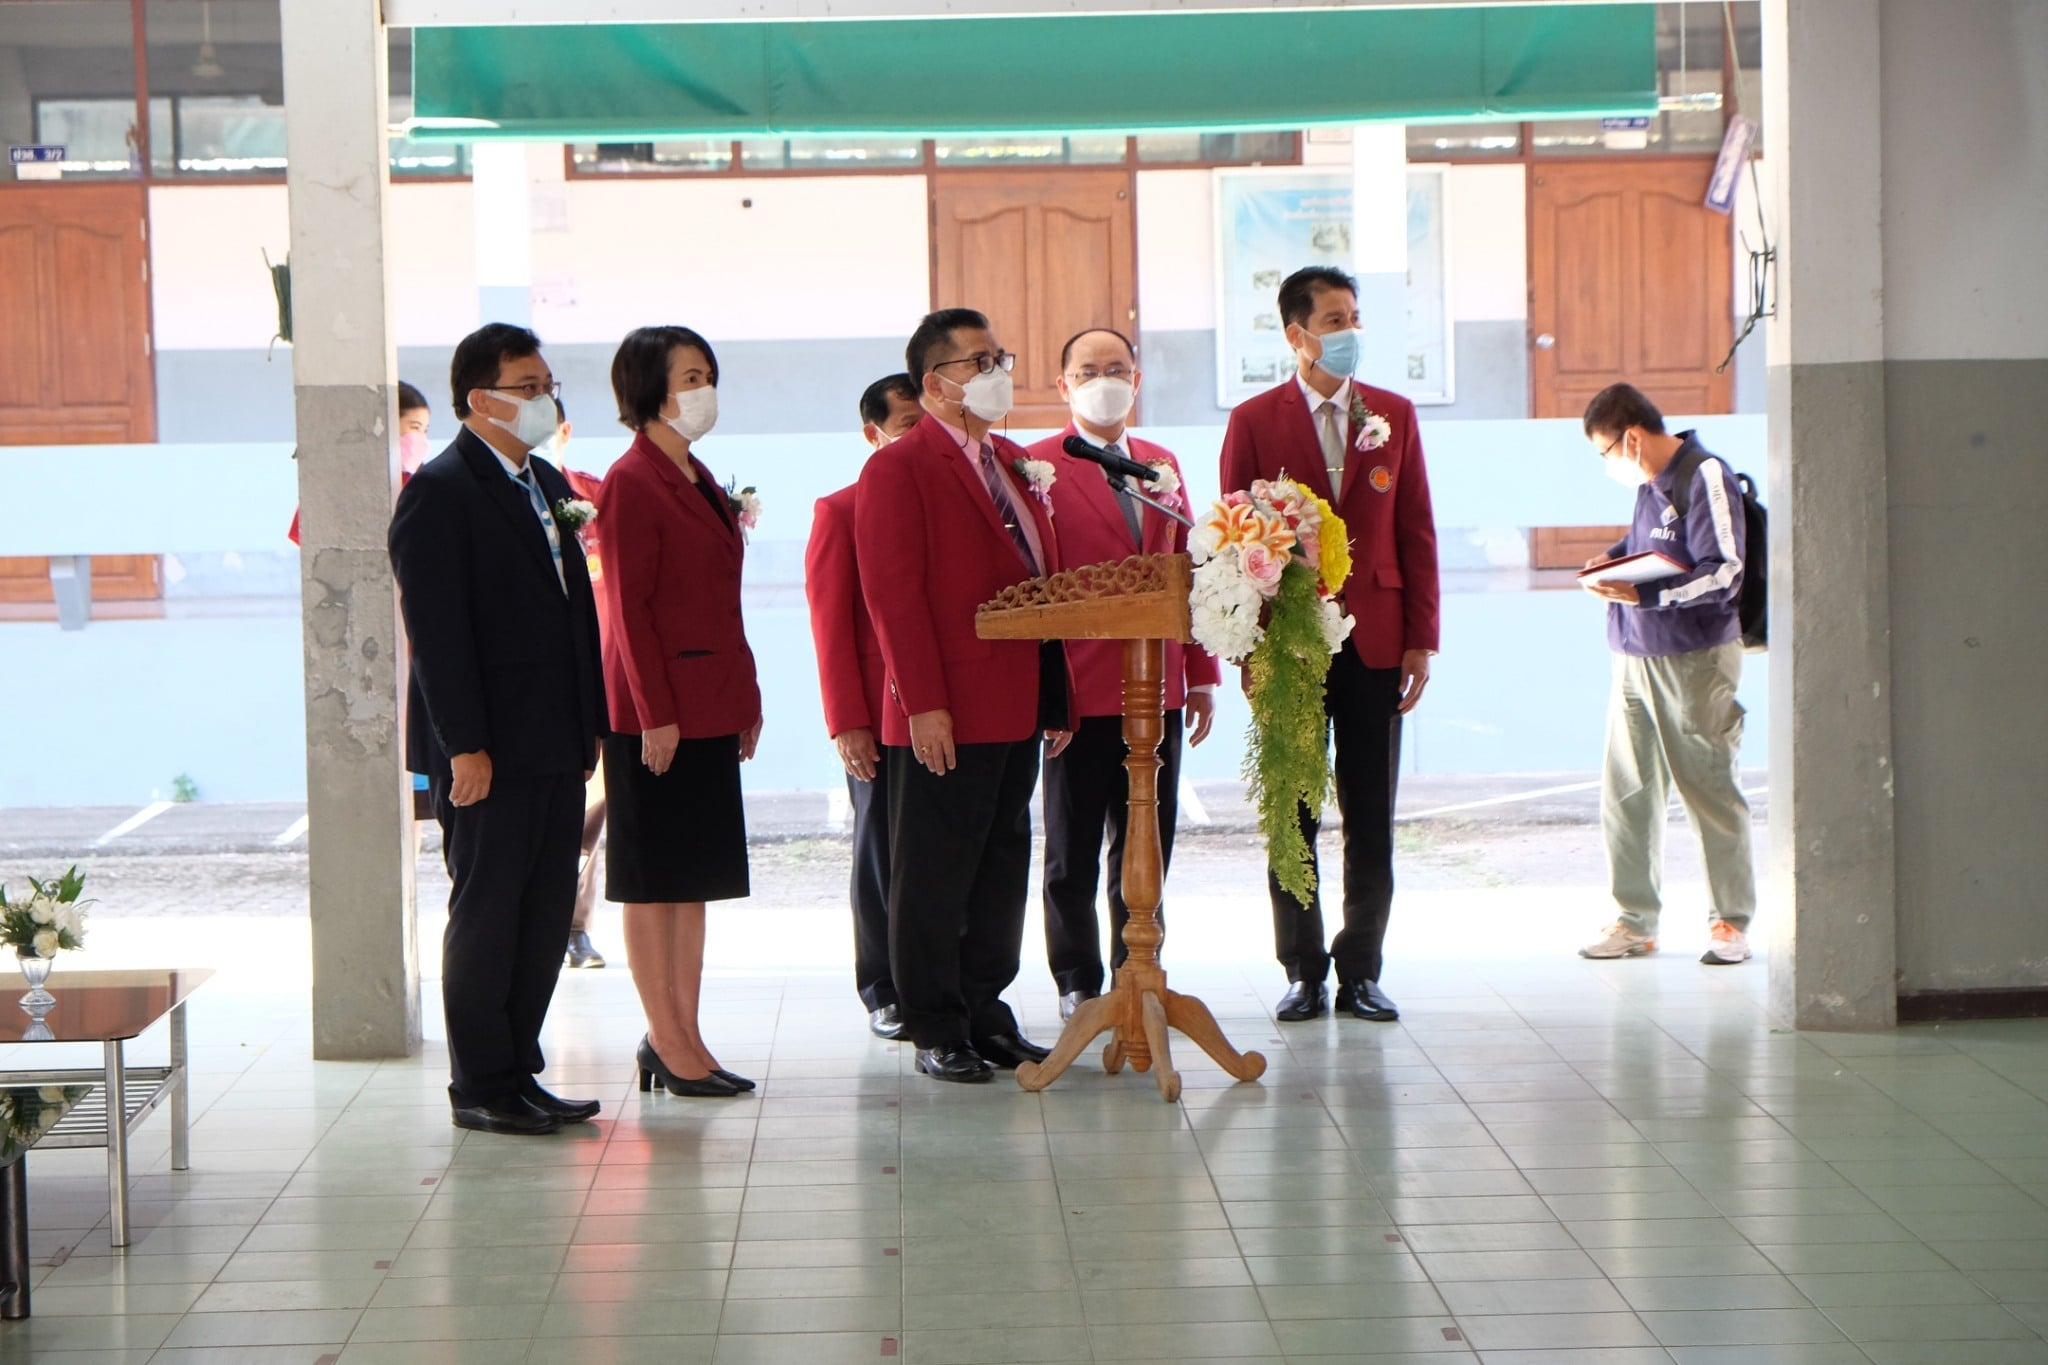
x=1155, y=505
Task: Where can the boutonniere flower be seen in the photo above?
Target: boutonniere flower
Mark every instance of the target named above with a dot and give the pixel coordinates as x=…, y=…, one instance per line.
x=573, y=514
x=1038, y=477
x=1371, y=430
x=744, y=504
x=1165, y=489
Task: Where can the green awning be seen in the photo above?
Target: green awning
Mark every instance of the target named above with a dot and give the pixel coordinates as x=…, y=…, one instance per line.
x=1065, y=74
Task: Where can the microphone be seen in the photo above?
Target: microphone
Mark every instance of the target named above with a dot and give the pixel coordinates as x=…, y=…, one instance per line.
x=1080, y=449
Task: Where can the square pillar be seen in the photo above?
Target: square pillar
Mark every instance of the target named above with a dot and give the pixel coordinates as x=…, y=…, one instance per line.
x=366, y=977
x=1379, y=251
x=1832, y=919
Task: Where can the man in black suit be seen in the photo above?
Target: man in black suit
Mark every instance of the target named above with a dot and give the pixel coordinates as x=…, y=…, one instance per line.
x=503, y=715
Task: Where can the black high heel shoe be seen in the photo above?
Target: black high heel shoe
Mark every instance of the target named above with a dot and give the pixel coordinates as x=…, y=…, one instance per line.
x=652, y=1069
x=733, y=1079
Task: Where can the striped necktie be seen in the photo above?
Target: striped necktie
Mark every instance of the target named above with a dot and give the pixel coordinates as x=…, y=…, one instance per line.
x=999, y=492
x=1121, y=486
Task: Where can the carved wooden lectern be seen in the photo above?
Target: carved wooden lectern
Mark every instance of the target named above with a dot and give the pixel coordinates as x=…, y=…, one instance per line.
x=1143, y=602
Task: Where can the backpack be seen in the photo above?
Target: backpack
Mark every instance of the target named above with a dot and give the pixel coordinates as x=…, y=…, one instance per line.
x=1754, y=608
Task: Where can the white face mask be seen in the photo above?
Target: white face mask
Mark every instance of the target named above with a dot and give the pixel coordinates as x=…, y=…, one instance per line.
x=536, y=423
x=696, y=413
x=988, y=396
x=1103, y=402
x=1625, y=472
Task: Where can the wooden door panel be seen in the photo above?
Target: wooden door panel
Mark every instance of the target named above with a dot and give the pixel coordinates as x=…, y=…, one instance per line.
x=1631, y=276
x=75, y=365
x=21, y=326
x=1045, y=254
x=92, y=290
x=1589, y=281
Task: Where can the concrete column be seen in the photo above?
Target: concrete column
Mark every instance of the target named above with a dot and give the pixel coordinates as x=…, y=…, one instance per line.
x=1832, y=918
x=366, y=977
x=1379, y=250
x=503, y=196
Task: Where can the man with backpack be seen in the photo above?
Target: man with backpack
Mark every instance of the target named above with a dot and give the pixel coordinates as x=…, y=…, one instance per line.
x=1677, y=634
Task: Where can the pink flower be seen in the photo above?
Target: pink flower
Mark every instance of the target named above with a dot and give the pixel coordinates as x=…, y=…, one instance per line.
x=1263, y=566
x=1238, y=499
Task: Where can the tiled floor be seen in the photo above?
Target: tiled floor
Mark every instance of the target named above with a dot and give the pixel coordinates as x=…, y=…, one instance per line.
x=1547, y=1162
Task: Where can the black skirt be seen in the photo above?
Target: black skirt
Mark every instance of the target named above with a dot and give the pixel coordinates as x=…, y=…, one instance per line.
x=680, y=837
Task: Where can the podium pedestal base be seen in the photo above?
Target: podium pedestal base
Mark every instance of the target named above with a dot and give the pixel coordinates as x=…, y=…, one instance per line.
x=1138, y=1011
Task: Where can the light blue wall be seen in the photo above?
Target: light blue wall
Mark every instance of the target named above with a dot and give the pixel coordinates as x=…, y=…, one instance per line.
x=214, y=690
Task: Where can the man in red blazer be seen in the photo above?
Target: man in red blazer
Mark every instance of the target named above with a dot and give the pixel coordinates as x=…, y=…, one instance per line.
x=944, y=520
x=1086, y=788
x=1358, y=447
x=851, y=681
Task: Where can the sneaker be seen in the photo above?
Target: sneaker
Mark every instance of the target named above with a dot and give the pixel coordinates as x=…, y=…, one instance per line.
x=1617, y=941
x=1729, y=945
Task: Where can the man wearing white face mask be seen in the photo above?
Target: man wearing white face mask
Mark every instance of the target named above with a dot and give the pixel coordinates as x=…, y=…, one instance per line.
x=1677, y=641
x=504, y=714
x=944, y=520
x=1359, y=448
x=1086, y=788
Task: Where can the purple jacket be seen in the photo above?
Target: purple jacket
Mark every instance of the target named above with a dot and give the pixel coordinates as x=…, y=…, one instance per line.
x=1701, y=607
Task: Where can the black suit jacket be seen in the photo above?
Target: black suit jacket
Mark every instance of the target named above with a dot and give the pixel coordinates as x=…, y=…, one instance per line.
x=502, y=658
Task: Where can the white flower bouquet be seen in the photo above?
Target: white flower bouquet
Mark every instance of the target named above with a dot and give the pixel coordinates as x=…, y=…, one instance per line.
x=50, y=920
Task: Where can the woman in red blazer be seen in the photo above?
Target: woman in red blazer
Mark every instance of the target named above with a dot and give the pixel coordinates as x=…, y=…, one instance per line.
x=686, y=710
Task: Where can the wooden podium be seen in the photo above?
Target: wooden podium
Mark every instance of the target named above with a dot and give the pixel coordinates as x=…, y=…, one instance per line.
x=1142, y=601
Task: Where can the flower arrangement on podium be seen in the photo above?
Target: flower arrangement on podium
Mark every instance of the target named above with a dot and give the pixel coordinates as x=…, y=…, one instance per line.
x=1269, y=563
x=49, y=921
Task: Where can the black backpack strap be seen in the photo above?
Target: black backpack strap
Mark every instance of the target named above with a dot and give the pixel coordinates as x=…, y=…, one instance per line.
x=1683, y=470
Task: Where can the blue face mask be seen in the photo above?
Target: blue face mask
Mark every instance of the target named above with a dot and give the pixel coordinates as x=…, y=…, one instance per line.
x=1340, y=352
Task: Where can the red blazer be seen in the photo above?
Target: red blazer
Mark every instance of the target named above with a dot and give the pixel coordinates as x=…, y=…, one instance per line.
x=675, y=649
x=931, y=550
x=850, y=672
x=1393, y=586
x=1093, y=530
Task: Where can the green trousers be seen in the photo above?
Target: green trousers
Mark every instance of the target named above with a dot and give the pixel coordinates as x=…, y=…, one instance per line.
x=1674, y=721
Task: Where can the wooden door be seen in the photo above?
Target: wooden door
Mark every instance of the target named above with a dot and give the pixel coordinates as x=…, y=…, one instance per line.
x=1628, y=280
x=75, y=365
x=1045, y=254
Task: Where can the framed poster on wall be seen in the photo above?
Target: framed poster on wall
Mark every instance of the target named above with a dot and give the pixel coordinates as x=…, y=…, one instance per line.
x=1272, y=221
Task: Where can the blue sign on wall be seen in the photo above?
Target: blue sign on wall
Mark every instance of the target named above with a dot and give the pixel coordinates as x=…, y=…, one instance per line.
x=20, y=155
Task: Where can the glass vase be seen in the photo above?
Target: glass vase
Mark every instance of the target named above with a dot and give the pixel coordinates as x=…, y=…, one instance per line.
x=36, y=970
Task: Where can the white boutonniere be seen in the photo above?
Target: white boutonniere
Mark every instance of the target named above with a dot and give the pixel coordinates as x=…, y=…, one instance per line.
x=744, y=504
x=573, y=514
x=1165, y=489
x=1371, y=430
x=1038, y=477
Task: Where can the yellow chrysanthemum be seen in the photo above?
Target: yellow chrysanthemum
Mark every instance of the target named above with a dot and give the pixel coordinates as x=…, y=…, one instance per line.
x=1335, y=546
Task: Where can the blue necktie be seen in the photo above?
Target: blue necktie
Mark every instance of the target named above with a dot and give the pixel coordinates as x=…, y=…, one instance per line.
x=547, y=522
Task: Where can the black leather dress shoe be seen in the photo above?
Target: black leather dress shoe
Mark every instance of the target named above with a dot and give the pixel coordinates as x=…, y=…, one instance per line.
x=514, y=1116
x=953, y=1062
x=1010, y=1050
x=1073, y=1000
x=568, y=1111
x=1304, y=1000
x=885, y=1023
x=582, y=952
x=1366, y=1000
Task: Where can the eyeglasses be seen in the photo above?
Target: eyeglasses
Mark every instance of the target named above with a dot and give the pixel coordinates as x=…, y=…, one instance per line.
x=1608, y=449
x=984, y=362
x=1088, y=374
x=533, y=388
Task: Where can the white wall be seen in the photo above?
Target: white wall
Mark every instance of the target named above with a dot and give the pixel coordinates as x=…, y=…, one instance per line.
x=212, y=292
x=1487, y=208
x=818, y=257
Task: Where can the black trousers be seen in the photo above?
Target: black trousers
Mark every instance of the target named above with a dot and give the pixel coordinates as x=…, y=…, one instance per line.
x=1087, y=792
x=1362, y=705
x=870, y=891
x=959, y=872
x=512, y=858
